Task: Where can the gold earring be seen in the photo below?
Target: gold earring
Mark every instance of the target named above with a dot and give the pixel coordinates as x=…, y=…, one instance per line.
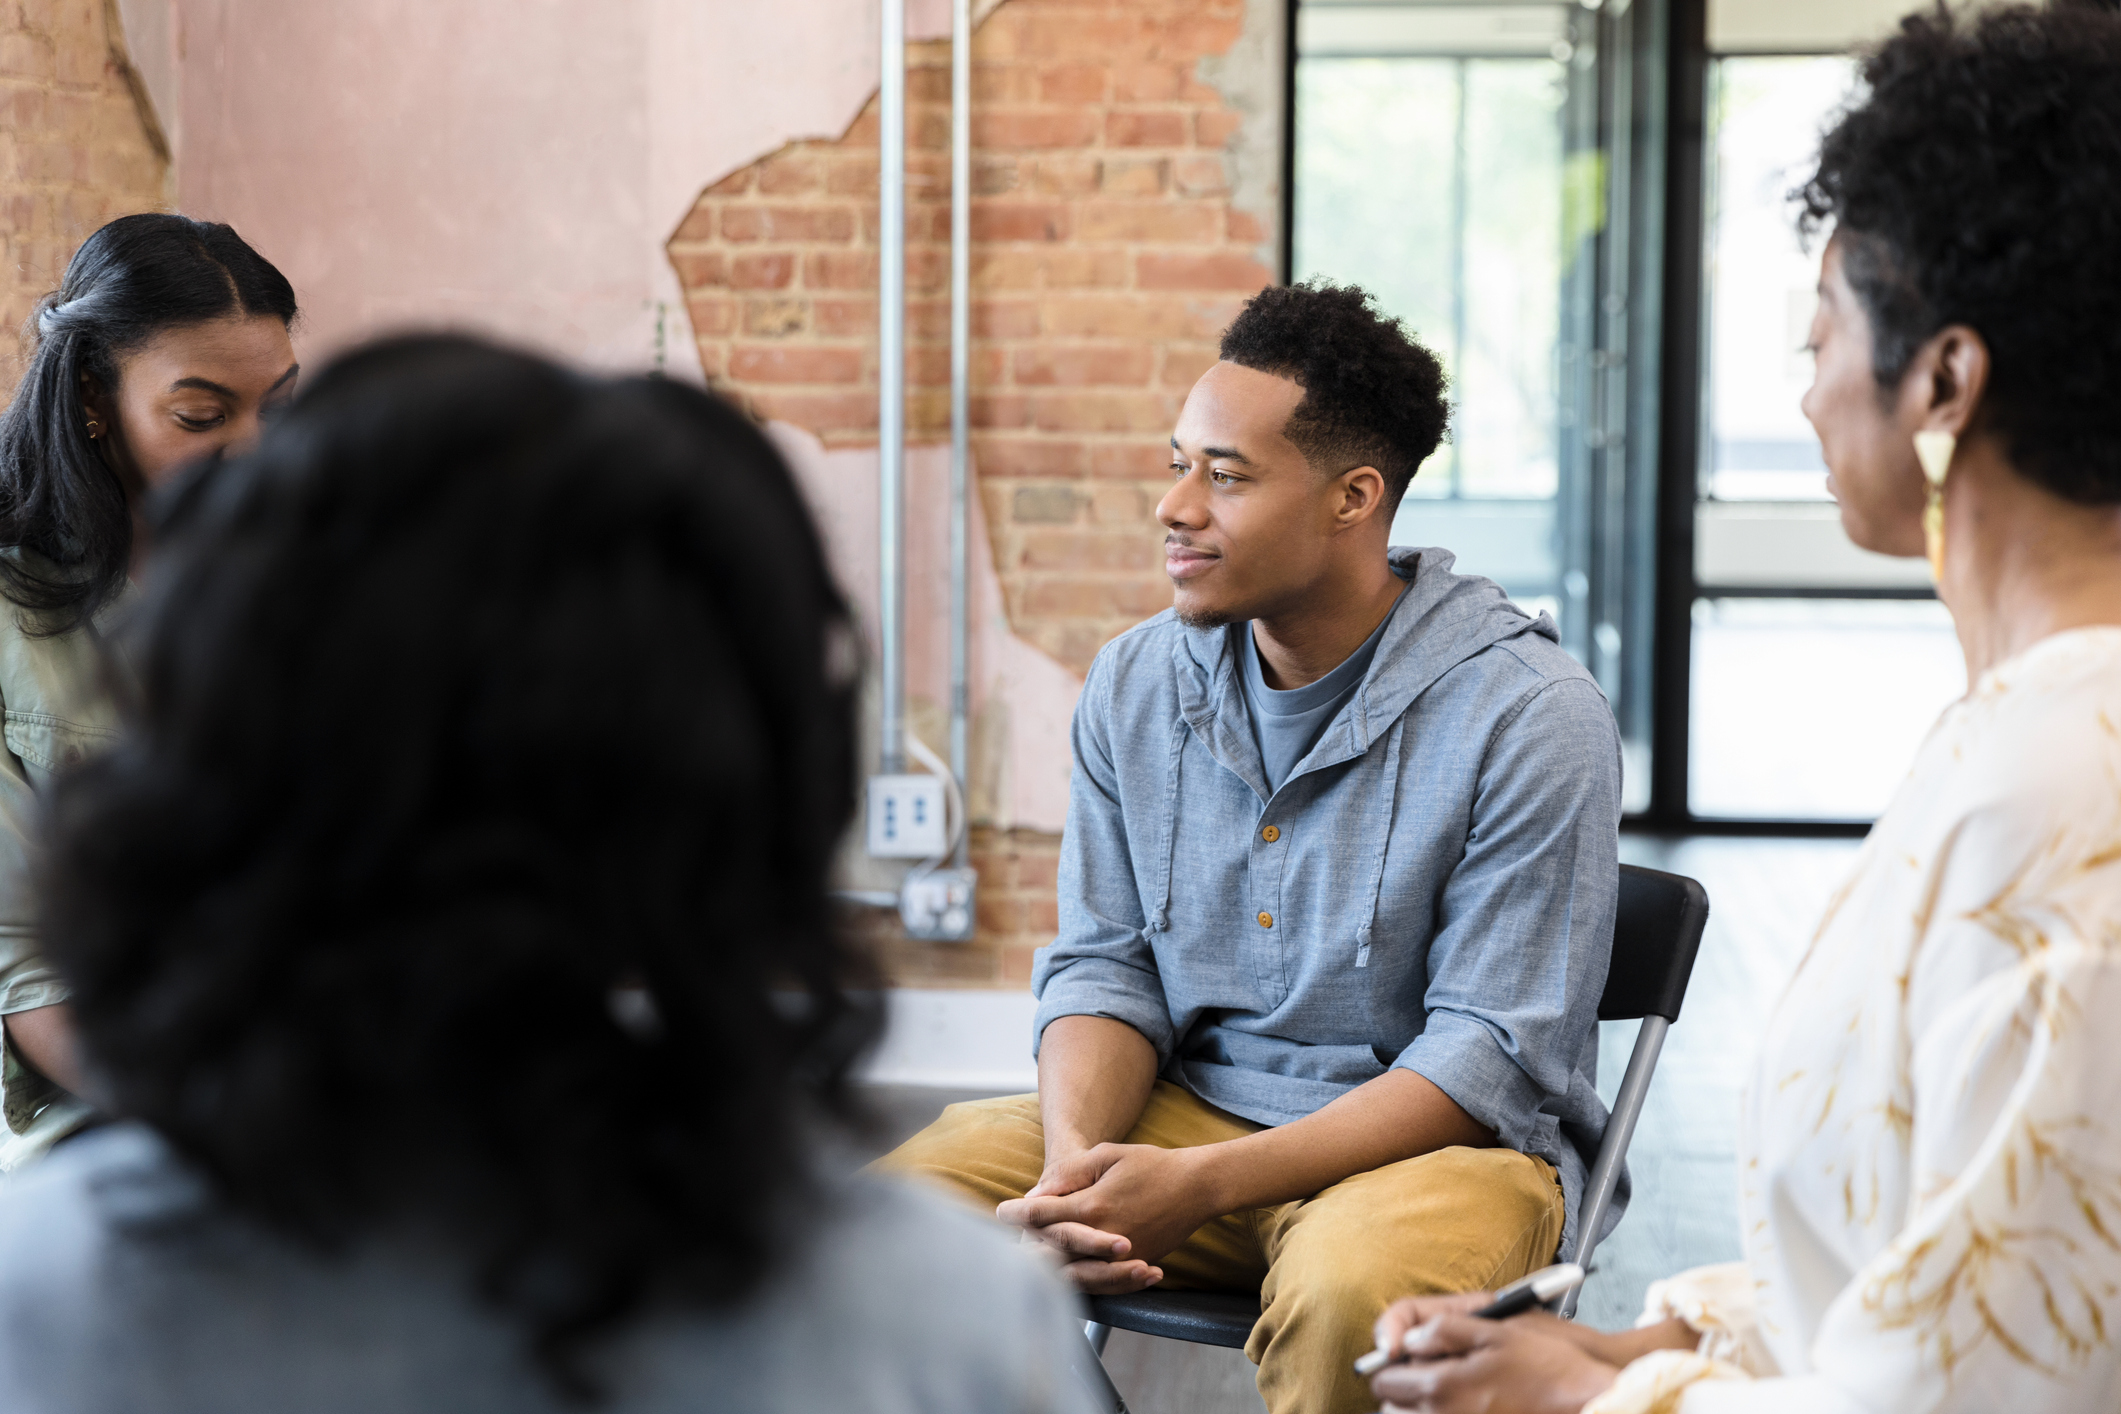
x=94, y=427
x=1934, y=450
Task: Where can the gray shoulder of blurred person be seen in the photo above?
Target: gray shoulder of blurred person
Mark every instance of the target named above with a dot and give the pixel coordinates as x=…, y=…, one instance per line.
x=119, y=1284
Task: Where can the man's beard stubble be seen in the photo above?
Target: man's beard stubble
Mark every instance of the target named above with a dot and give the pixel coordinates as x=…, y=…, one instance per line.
x=1206, y=618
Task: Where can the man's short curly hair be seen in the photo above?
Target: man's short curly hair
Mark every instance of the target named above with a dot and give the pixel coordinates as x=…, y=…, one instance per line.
x=1372, y=395
x=1978, y=182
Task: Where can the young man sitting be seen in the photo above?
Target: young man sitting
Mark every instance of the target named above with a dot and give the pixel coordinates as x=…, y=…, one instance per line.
x=1336, y=893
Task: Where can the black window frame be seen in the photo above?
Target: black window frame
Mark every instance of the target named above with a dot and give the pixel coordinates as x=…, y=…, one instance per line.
x=1670, y=59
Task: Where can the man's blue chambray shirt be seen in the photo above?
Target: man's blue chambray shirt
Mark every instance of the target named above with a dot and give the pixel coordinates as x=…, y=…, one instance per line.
x=1438, y=893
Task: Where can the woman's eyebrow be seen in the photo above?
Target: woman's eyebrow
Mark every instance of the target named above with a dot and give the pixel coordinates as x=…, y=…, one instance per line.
x=206, y=384
x=210, y=386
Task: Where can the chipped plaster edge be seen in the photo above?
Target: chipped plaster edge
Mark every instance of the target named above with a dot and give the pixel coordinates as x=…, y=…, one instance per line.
x=1251, y=78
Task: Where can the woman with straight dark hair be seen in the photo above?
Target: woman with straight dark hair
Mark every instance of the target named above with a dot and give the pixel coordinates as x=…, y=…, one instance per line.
x=167, y=342
x=1929, y=1153
x=450, y=937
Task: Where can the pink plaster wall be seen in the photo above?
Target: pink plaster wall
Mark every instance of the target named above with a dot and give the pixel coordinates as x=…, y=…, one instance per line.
x=1022, y=699
x=514, y=167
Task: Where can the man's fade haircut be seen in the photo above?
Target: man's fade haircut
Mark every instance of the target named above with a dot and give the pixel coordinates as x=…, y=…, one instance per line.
x=1373, y=396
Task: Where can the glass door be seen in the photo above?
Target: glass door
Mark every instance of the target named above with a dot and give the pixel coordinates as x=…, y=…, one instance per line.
x=1474, y=166
x=1816, y=666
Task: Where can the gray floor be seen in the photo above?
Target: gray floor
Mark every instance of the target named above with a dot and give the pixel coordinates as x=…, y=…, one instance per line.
x=1765, y=899
x=1765, y=895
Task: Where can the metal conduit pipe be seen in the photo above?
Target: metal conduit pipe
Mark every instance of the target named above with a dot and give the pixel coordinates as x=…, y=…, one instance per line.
x=960, y=379
x=907, y=814
x=891, y=388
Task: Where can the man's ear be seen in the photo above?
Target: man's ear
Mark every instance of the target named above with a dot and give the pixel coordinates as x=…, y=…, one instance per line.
x=1362, y=496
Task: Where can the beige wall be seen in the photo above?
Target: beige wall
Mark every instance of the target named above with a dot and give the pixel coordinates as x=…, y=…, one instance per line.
x=507, y=166
x=1801, y=26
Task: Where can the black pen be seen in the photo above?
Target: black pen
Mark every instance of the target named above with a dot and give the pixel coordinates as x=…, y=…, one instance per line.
x=1541, y=1288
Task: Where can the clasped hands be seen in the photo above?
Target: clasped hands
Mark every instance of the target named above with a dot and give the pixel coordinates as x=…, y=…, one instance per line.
x=1109, y=1213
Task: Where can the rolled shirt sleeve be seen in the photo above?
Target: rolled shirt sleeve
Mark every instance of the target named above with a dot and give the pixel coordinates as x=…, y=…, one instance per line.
x=1525, y=923
x=56, y=712
x=25, y=980
x=1102, y=962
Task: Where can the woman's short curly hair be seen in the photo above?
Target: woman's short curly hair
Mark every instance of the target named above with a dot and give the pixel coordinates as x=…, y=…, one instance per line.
x=1372, y=395
x=1978, y=182
x=464, y=863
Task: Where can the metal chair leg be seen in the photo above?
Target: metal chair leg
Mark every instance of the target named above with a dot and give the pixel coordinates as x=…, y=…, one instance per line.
x=1090, y=1368
x=1604, y=1179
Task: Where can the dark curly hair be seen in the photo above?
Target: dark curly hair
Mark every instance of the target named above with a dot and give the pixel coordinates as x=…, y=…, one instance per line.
x=465, y=862
x=1372, y=395
x=130, y=281
x=1978, y=182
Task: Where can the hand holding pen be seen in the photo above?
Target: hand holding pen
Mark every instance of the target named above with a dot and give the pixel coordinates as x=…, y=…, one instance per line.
x=1542, y=1288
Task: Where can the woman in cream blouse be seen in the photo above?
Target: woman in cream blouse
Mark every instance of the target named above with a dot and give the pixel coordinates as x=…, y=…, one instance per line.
x=1930, y=1147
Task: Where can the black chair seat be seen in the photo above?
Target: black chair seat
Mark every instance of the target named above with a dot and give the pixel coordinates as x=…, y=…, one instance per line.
x=1200, y=1317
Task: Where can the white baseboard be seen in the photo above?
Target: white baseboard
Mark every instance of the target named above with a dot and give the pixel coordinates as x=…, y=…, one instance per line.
x=955, y=1039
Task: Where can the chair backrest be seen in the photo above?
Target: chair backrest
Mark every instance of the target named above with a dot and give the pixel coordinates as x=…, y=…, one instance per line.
x=1656, y=932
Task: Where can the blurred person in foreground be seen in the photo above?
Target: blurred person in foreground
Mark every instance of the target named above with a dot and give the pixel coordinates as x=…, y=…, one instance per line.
x=167, y=342
x=449, y=933
x=1930, y=1149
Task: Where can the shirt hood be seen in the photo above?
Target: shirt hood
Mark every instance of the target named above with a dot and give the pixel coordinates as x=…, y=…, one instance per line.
x=1442, y=619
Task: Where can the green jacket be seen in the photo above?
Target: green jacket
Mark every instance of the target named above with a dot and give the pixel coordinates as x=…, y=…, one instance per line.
x=54, y=710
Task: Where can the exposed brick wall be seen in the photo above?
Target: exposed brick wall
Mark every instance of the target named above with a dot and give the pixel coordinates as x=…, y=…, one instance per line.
x=1107, y=258
x=1017, y=916
x=76, y=148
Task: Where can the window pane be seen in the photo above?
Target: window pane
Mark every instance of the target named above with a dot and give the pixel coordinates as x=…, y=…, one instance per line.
x=1506, y=393
x=1811, y=709
x=1766, y=115
x=1449, y=157
x=1436, y=184
x=1375, y=176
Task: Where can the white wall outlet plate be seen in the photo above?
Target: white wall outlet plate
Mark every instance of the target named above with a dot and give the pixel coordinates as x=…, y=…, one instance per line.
x=937, y=904
x=906, y=817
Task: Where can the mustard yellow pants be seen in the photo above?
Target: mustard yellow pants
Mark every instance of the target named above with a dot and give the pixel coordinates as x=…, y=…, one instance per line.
x=1324, y=1266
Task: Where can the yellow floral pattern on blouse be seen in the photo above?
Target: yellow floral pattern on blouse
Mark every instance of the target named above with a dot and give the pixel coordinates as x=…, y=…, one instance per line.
x=1930, y=1147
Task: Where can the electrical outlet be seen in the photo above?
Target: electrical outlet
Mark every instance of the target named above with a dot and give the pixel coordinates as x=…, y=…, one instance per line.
x=906, y=817
x=937, y=904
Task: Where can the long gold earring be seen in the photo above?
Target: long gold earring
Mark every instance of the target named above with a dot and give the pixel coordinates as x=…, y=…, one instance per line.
x=1934, y=450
